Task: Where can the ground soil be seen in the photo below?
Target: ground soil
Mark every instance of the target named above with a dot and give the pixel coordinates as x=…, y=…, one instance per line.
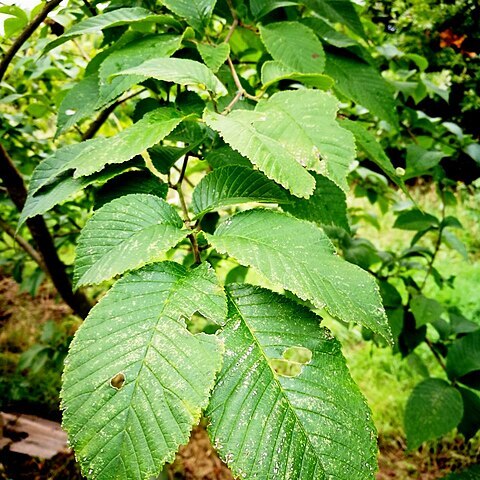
x=20, y=318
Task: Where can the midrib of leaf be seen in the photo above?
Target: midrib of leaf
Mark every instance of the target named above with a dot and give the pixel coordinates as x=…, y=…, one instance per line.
x=277, y=383
x=154, y=331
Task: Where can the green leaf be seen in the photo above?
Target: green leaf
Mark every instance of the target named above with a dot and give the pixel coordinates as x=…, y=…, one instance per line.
x=114, y=18
x=225, y=156
x=135, y=379
x=42, y=200
x=233, y=185
x=79, y=103
x=326, y=32
x=284, y=404
x=327, y=206
x=298, y=256
x=214, y=56
x=452, y=241
x=338, y=11
x=367, y=142
x=272, y=72
x=178, y=70
x=470, y=423
x=420, y=161
x=290, y=132
x=259, y=8
x=415, y=220
x=362, y=83
x=295, y=45
x=91, y=156
x=472, y=473
x=197, y=13
x=128, y=183
x=130, y=56
x=125, y=234
x=425, y=310
x=464, y=355
x=433, y=409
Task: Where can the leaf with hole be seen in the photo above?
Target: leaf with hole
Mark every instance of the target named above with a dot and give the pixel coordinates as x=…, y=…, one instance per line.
x=135, y=378
x=298, y=256
x=233, y=185
x=284, y=404
x=144, y=226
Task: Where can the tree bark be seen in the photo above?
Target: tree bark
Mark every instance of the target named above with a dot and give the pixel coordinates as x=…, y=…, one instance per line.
x=13, y=182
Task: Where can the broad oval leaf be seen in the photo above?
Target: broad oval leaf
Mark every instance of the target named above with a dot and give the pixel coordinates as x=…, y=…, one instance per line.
x=272, y=72
x=433, y=409
x=464, y=355
x=197, y=13
x=114, y=18
x=214, y=56
x=233, y=185
x=40, y=201
x=289, y=133
x=129, y=56
x=295, y=45
x=298, y=256
x=327, y=206
x=284, y=404
x=178, y=70
x=135, y=379
x=125, y=234
x=362, y=83
x=91, y=156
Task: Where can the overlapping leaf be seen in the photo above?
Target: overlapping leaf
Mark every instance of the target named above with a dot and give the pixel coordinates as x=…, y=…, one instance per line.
x=135, y=379
x=298, y=256
x=88, y=157
x=295, y=45
x=233, y=185
x=362, y=83
x=273, y=72
x=276, y=415
x=114, y=18
x=327, y=206
x=196, y=13
x=178, y=70
x=214, y=56
x=289, y=133
x=65, y=186
x=125, y=234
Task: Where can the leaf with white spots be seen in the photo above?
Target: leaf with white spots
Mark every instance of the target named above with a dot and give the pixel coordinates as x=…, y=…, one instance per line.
x=125, y=234
x=91, y=156
x=298, y=256
x=284, y=405
x=136, y=379
x=287, y=135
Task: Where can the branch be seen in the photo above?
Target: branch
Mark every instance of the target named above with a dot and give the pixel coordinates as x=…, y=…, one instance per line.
x=25, y=35
x=24, y=244
x=17, y=191
x=95, y=126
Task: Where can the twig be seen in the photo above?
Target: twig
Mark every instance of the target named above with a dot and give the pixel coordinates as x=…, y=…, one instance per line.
x=232, y=28
x=436, y=354
x=25, y=35
x=104, y=114
x=24, y=244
